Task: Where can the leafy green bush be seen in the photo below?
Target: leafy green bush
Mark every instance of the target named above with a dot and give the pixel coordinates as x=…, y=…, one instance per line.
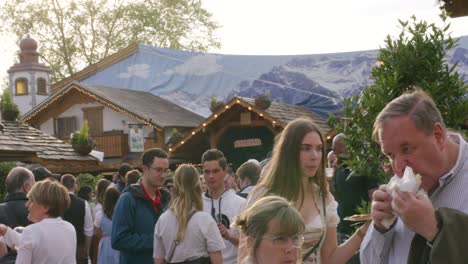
x=6, y=102
x=5, y=168
x=86, y=179
x=416, y=57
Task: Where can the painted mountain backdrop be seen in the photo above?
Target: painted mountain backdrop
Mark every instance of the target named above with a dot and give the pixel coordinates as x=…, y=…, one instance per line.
x=319, y=82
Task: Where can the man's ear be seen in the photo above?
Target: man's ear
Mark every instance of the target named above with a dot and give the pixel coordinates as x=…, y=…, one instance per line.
x=26, y=187
x=440, y=134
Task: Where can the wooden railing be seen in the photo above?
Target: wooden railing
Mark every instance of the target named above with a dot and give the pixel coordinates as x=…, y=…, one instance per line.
x=112, y=145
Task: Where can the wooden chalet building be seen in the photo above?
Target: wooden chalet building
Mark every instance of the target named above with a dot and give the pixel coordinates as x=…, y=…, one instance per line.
x=242, y=131
x=111, y=113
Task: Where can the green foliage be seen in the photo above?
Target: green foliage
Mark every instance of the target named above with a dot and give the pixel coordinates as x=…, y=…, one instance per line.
x=81, y=137
x=6, y=102
x=78, y=33
x=417, y=57
x=5, y=168
x=86, y=179
x=263, y=101
x=364, y=207
x=214, y=102
x=265, y=96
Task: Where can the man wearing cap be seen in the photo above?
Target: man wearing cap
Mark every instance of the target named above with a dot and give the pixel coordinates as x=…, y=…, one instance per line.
x=41, y=173
x=13, y=211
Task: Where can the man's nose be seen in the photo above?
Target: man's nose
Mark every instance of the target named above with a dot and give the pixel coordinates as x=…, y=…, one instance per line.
x=399, y=165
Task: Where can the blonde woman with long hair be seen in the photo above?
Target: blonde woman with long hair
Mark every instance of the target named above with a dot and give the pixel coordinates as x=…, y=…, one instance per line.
x=186, y=234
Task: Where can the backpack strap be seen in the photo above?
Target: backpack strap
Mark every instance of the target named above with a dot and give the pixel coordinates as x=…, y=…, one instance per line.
x=177, y=242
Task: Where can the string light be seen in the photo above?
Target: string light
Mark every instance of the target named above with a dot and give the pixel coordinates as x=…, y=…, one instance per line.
x=218, y=113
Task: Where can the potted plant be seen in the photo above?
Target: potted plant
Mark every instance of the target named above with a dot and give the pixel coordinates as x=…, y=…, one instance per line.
x=175, y=137
x=215, y=105
x=263, y=101
x=81, y=142
x=9, y=109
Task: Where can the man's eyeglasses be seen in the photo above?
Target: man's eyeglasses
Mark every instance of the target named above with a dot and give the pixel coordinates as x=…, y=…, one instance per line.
x=283, y=241
x=160, y=170
x=208, y=172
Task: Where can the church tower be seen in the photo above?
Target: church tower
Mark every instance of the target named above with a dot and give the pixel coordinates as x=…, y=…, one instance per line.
x=29, y=80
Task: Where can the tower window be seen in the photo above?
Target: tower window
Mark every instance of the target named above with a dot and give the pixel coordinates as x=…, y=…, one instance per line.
x=41, y=86
x=21, y=86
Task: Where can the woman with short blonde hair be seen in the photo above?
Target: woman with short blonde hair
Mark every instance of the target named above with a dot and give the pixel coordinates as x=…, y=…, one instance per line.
x=49, y=239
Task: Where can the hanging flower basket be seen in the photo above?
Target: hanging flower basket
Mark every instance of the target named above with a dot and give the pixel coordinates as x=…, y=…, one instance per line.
x=263, y=101
x=82, y=149
x=216, y=106
x=262, y=104
x=81, y=142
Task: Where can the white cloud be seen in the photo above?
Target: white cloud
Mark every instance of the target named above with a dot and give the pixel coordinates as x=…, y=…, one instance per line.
x=137, y=70
x=199, y=65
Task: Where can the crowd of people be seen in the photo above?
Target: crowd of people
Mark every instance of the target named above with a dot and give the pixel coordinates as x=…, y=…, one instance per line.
x=284, y=210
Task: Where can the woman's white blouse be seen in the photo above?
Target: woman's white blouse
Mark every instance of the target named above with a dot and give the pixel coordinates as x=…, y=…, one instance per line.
x=51, y=240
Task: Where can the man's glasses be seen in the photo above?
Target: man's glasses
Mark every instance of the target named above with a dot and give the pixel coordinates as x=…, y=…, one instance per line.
x=283, y=241
x=160, y=170
x=208, y=172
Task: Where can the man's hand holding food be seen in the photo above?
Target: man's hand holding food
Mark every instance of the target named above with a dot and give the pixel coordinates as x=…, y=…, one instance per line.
x=402, y=197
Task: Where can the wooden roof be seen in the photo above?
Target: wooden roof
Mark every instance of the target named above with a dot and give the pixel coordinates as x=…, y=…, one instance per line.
x=143, y=106
x=280, y=114
x=31, y=145
x=93, y=69
x=285, y=113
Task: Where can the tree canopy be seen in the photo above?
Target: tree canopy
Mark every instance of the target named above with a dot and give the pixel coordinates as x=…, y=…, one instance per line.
x=74, y=34
x=417, y=57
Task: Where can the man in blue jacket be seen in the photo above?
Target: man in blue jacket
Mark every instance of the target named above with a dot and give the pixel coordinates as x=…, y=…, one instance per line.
x=138, y=209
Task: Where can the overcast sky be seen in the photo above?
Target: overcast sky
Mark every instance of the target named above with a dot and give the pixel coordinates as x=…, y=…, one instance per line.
x=274, y=27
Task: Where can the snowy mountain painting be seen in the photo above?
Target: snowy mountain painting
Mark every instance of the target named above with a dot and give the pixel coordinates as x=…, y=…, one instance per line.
x=319, y=82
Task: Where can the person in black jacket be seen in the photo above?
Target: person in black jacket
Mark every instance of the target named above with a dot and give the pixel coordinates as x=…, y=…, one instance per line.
x=79, y=215
x=13, y=211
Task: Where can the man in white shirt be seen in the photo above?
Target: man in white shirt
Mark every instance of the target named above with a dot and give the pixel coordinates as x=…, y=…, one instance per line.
x=222, y=204
x=79, y=215
x=411, y=133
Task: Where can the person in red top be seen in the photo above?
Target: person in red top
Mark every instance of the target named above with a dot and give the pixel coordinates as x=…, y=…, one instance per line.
x=138, y=209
